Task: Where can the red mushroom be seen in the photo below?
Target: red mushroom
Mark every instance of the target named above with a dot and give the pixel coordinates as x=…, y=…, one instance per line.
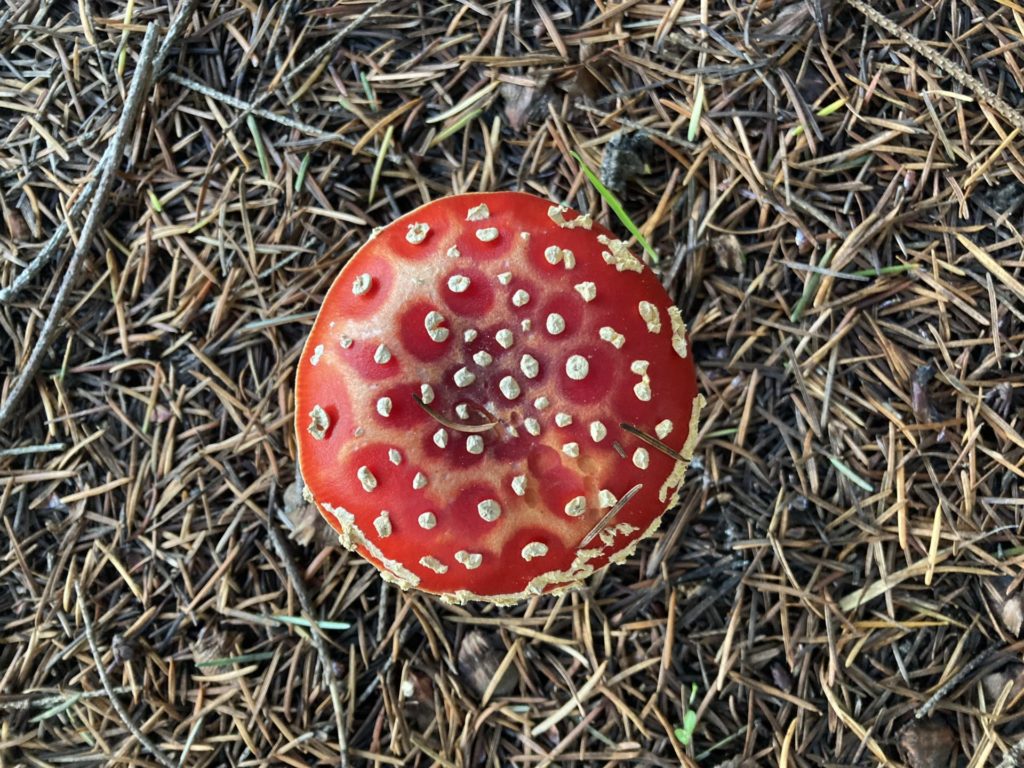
x=495, y=399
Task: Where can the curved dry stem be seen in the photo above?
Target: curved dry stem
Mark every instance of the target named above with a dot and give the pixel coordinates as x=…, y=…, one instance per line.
x=444, y=421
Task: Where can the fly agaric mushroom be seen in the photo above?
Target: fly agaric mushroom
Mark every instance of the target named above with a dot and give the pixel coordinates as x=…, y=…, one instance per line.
x=495, y=399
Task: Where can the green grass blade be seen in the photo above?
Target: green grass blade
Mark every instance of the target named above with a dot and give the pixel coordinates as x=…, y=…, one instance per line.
x=895, y=269
x=57, y=708
x=300, y=177
x=378, y=165
x=298, y=621
x=261, y=151
x=856, y=479
x=243, y=659
x=810, y=287
x=613, y=203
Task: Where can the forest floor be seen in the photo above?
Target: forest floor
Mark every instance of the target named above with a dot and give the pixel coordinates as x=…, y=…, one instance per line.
x=836, y=195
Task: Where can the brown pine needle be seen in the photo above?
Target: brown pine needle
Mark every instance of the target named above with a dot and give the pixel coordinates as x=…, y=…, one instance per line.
x=457, y=426
x=610, y=515
x=653, y=441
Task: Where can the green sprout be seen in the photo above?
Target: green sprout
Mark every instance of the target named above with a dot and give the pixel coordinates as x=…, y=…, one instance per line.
x=613, y=202
x=685, y=733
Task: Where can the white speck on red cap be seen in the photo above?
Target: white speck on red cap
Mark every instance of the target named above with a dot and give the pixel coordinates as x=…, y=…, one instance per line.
x=441, y=438
x=417, y=233
x=319, y=423
x=318, y=352
x=482, y=358
x=563, y=419
x=509, y=388
x=649, y=314
x=678, y=331
x=598, y=431
x=576, y=506
x=384, y=406
x=419, y=481
x=555, y=324
x=534, y=549
x=470, y=560
x=382, y=354
x=505, y=338
x=463, y=377
x=587, y=290
x=577, y=367
x=394, y=456
x=605, y=499
x=366, y=478
x=487, y=234
x=383, y=524
x=478, y=212
x=572, y=450
x=553, y=254
x=519, y=485
x=613, y=337
x=426, y=393
x=458, y=283
x=489, y=510
x=432, y=322
x=475, y=444
x=362, y=284
x=433, y=564
x=520, y=298
x=641, y=458
x=529, y=366
x=427, y=520
x=532, y=426
x=663, y=428
x=541, y=403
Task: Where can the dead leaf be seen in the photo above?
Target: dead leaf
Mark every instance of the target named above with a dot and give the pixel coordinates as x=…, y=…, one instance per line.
x=479, y=659
x=1009, y=608
x=524, y=102
x=928, y=744
x=728, y=252
x=994, y=683
x=306, y=525
x=624, y=159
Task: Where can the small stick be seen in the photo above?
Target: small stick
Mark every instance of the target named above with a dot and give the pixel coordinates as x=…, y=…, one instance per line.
x=314, y=628
x=247, y=108
x=49, y=250
x=24, y=701
x=950, y=67
x=926, y=709
x=142, y=738
x=603, y=523
x=104, y=181
x=174, y=31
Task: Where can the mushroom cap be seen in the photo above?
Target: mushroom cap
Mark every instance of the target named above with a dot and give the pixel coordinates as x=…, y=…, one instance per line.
x=461, y=396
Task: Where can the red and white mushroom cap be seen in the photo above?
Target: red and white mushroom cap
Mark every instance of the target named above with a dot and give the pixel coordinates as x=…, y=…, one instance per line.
x=495, y=400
